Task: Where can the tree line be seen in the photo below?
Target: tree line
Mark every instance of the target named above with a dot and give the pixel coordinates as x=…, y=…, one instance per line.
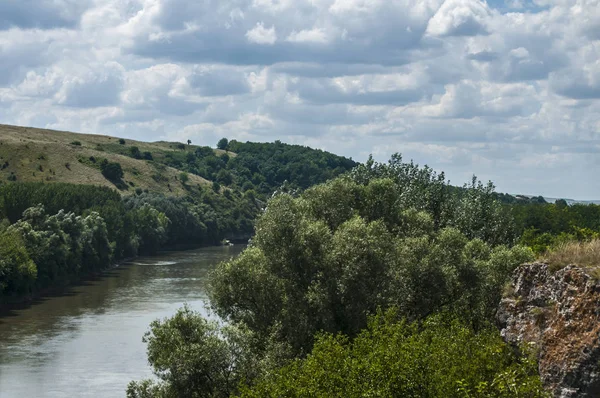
x=52, y=234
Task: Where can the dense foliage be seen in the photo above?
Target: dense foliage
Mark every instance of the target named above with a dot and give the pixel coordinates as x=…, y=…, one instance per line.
x=438, y=358
x=55, y=233
x=386, y=236
x=61, y=246
x=16, y=198
x=325, y=260
x=268, y=165
x=259, y=168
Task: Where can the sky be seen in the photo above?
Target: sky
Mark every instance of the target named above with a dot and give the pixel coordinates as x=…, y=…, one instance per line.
x=508, y=90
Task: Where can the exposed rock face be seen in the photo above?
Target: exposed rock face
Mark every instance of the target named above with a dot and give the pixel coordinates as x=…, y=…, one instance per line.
x=559, y=314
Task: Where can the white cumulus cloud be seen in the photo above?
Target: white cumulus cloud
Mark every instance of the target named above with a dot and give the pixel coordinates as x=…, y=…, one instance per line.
x=261, y=35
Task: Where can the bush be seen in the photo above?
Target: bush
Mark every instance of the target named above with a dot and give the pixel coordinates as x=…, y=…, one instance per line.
x=184, y=178
x=112, y=170
x=76, y=143
x=122, y=141
x=135, y=153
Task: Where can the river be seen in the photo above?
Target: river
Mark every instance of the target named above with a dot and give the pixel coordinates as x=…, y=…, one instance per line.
x=88, y=342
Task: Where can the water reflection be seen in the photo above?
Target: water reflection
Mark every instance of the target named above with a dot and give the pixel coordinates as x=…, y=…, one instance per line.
x=87, y=343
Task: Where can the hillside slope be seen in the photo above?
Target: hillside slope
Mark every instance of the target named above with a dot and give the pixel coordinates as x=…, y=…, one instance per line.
x=39, y=155
x=172, y=168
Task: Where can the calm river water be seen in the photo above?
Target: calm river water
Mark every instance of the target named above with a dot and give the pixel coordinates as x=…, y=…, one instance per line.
x=88, y=343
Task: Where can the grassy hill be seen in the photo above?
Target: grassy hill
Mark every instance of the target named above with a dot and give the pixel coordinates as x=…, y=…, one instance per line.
x=40, y=155
x=171, y=168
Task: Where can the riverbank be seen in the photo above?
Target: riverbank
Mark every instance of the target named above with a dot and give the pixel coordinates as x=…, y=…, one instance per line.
x=23, y=302
x=19, y=303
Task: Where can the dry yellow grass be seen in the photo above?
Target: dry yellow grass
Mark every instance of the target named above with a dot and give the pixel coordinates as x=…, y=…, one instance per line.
x=48, y=156
x=583, y=254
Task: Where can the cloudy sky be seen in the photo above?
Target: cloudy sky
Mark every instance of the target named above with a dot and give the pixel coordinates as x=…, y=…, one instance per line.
x=508, y=89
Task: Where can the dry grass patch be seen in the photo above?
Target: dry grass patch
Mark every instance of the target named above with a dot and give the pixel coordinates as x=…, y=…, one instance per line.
x=38, y=155
x=583, y=254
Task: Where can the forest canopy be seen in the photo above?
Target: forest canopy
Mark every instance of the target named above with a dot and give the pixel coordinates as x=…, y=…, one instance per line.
x=306, y=300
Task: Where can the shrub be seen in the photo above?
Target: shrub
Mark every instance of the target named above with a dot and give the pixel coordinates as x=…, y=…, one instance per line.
x=76, y=143
x=112, y=170
x=184, y=178
x=439, y=358
x=121, y=141
x=135, y=152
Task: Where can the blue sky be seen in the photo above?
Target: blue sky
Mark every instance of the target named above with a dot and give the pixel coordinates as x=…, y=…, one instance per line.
x=507, y=90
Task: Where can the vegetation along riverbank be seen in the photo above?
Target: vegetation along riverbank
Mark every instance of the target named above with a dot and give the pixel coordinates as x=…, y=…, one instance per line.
x=73, y=204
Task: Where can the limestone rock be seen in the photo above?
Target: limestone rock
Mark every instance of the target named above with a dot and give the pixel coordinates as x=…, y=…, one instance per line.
x=558, y=313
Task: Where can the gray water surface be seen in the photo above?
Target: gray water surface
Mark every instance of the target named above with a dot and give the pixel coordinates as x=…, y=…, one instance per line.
x=88, y=342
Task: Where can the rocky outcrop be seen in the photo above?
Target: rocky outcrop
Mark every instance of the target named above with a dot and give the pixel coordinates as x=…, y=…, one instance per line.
x=558, y=314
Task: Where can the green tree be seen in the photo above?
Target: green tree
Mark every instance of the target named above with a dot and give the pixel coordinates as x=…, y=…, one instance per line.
x=17, y=270
x=224, y=177
x=152, y=228
x=324, y=253
x=193, y=357
x=223, y=143
x=386, y=236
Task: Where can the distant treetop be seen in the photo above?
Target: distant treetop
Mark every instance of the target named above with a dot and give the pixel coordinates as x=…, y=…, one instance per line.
x=222, y=144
